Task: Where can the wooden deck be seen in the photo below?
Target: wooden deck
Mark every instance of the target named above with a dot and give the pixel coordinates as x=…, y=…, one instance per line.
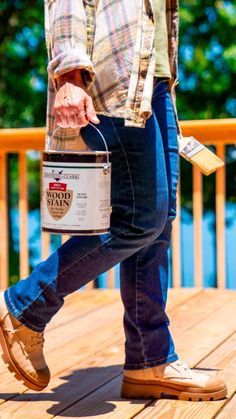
x=84, y=350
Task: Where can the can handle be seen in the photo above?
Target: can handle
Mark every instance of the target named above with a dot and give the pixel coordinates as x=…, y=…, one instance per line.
x=98, y=130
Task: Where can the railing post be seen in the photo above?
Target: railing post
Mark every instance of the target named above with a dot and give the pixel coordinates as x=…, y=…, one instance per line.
x=23, y=210
x=111, y=278
x=3, y=222
x=45, y=245
x=64, y=238
x=220, y=220
x=197, y=222
x=176, y=243
x=90, y=285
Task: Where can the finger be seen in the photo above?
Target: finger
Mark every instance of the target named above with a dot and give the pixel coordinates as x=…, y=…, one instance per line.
x=80, y=114
x=72, y=120
x=76, y=113
x=80, y=120
x=63, y=119
x=77, y=120
x=90, y=111
x=58, y=121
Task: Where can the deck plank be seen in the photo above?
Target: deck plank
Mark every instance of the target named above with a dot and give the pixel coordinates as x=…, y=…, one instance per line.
x=97, y=308
x=208, y=333
x=224, y=357
x=87, y=375
x=212, y=407
x=77, y=352
x=78, y=326
x=76, y=347
x=229, y=411
x=76, y=306
x=197, y=309
x=80, y=352
x=79, y=304
x=106, y=403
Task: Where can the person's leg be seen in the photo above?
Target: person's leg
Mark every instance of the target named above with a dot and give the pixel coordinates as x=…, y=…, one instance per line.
x=139, y=201
x=144, y=275
x=152, y=367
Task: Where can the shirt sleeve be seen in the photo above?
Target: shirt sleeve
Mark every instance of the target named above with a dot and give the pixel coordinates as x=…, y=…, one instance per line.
x=66, y=39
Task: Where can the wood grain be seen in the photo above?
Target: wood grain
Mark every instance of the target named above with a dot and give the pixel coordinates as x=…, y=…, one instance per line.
x=87, y=365
x=220, y=220
x=23, y=216
x=229, y=411
x=4, y=220
x=81, y=364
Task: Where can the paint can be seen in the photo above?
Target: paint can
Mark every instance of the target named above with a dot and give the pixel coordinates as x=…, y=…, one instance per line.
x=76, y=191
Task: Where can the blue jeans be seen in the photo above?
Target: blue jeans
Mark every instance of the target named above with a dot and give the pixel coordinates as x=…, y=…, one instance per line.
x=144, y=183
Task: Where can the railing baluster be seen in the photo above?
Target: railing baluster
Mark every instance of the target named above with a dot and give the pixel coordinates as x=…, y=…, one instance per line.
x=64, y=238
x=23, y=215
x=89, y=285
x=220, y=220
x=111, y=278
x=45, y=245
x=176, y=243
x=197, y=222
x=45, y=237
x=3, y=222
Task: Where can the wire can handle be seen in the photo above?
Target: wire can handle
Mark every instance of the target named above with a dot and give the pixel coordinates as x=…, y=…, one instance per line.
x=98, y=130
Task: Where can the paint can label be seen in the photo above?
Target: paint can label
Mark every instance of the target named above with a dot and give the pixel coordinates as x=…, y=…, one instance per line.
x=75, y=196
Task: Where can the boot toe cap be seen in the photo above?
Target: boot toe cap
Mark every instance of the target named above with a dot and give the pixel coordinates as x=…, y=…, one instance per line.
x=215, y=383
x=42, y=376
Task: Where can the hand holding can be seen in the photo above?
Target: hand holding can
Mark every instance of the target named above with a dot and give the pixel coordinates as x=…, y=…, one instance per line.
x=73, y=107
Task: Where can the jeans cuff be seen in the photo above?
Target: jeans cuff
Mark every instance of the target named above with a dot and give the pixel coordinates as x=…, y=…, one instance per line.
x=15, y=313
x=170, y=358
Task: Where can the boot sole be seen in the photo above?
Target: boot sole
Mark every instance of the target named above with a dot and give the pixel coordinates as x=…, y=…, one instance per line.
x=15, y=369
x=150, y=391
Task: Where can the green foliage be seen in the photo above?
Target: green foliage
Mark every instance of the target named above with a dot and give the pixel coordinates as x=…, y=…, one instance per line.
x=22, y=64
x=207, y=59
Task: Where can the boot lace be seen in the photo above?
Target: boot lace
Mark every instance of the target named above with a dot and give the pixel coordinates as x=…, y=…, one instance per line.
x=182, y=365
x=35, y=339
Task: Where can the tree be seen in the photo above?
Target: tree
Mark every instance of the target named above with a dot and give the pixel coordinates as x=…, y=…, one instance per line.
x=207, y=61
x=22, y=64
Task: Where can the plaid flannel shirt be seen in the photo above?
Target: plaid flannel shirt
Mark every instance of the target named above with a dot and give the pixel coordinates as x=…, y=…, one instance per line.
x=112, y=42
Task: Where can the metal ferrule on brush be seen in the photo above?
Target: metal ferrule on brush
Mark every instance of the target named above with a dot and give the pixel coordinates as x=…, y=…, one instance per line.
x=191, y=148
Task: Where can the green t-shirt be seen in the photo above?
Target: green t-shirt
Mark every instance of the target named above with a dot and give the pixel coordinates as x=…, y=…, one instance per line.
x=161, y=40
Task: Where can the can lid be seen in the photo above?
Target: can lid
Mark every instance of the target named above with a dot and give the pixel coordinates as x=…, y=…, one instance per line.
x=77, y=152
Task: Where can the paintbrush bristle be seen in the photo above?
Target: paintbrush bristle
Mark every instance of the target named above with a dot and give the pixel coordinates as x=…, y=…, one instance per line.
x=206, y=161
x=199, y=155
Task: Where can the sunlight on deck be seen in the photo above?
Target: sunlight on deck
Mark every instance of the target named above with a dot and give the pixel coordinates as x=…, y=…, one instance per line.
x=84, y=350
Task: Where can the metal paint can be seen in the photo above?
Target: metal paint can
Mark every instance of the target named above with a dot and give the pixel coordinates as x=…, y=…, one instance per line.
x=76, y=190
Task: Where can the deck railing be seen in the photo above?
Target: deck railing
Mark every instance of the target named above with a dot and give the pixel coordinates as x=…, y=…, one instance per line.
x=219, y=133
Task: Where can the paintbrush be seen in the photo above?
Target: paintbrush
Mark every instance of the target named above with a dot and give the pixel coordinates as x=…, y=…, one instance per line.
x=199, y=155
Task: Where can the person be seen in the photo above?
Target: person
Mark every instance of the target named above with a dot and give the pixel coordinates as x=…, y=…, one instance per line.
x=118, y=60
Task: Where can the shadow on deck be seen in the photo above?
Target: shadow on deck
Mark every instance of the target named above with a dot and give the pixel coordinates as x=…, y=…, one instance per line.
x=84, y=350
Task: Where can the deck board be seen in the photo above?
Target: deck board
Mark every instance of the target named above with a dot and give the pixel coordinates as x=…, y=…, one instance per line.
x=85, y=352
x=229, y=412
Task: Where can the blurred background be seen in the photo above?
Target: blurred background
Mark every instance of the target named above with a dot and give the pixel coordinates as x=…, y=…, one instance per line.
x=207, y=89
